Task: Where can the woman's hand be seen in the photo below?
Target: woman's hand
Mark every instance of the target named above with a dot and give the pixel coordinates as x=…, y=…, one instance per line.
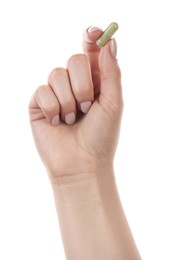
x=76, y=117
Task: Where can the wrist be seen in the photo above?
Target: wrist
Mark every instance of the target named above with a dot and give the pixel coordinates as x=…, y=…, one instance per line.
x=88, y=186
x=71, y=169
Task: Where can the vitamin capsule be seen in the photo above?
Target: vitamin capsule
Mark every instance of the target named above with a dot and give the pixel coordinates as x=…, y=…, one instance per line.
x=107, y=34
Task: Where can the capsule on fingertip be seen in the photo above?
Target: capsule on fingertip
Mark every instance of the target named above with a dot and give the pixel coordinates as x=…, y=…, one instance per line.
x=107, y=34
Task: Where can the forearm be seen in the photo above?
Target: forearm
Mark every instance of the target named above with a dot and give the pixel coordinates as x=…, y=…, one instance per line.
x=91, y=218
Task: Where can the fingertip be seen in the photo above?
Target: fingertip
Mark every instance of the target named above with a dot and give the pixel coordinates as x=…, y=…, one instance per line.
x=113, y=48
x=92, y=33
x=55, y=120
x=90, y=36
x=85, y=106
x=48, y=104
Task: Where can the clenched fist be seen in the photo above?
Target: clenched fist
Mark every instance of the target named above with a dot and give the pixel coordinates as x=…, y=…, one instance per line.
x=76, y=117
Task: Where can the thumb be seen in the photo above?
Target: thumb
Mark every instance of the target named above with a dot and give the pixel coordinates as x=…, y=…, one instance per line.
x=110, y=79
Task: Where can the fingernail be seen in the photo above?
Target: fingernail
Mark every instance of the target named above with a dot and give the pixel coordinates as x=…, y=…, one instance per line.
x=70, y=118
x=93, y=29
x=85, y=106
x=55, y=120
x=113, y=47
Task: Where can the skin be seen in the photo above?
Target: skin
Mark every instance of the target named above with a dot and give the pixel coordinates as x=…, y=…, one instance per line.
x=79, y=156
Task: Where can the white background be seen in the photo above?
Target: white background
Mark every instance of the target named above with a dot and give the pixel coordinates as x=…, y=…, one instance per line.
x=35, y=37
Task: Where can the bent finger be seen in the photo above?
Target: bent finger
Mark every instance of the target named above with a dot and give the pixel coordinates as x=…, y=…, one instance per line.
x=48, y=104
x=81, y=80
x=60, y=83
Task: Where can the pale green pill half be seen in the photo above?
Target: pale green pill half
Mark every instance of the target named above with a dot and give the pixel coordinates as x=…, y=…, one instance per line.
x=108, y=33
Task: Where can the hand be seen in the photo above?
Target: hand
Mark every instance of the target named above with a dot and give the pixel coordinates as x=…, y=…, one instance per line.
x=68, y=140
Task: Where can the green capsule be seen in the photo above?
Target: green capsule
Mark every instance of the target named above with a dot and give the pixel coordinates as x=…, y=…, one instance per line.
x=107, y=34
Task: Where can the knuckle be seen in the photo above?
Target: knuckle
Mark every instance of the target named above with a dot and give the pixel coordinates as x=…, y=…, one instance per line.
x=69, y=103
x=55, y=73
x=75, y=58
x=80, y=93
x=68, y=106
x=50, y=108
x=40, y=90
x=83, y=92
